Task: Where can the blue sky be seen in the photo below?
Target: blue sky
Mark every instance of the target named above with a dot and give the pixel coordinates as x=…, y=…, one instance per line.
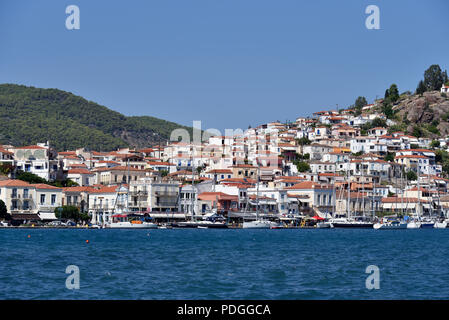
x=228, y=63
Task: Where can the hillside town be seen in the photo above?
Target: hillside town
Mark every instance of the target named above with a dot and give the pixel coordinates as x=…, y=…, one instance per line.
x=318, y=167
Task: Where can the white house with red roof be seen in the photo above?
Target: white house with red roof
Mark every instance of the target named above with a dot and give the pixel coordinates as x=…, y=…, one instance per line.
x=37, y=159
x=445, y=88
x=82, y=176
x=25, y=201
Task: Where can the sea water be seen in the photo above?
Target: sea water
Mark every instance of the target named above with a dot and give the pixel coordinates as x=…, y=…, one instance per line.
x=224, y=264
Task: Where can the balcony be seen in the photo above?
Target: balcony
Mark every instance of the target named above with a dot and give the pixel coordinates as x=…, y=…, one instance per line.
x=138, y=193
x=166, y=193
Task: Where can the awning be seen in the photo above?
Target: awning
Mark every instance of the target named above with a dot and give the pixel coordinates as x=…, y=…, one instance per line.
x=168, y=215
x=47, y=216
x=25, y=216
x=119, y=215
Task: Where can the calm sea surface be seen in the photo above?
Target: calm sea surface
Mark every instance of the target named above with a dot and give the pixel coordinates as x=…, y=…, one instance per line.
x=224, y=264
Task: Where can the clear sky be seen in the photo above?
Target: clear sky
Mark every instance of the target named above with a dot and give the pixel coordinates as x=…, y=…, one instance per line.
x=229, y=63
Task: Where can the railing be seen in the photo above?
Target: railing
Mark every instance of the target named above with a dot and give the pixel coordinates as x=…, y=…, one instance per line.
x=166, y=193
x=48, y=207
x=166, y=204
x=139, y=193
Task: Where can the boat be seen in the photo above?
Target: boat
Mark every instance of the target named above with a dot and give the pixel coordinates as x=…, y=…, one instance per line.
x=258, y=223
x=324, y=225
x=427, y=224
x=441, y=224
x=413, y=224
x=201, y=224
x=351, y=223
x=122, y=221
x=386, y=224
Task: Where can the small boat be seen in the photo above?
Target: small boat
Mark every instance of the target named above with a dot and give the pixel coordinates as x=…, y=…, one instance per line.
x=390, y=225
x=442, y=224
x=413, y=225
x=324, y=225
x=258, y=224
x=120, y=221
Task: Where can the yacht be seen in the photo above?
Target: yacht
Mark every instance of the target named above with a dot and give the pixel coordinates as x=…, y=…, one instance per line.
x=122, y=221
x=258, y=223
x=350, y=223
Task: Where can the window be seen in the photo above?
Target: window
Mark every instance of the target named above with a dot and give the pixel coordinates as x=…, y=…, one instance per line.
x=42, y=198
x=53, y=199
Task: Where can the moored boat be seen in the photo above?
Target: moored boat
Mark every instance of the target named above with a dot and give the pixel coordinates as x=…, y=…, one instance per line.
x=390, y=225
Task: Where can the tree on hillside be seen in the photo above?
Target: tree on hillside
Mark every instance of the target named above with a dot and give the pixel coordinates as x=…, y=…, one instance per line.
x=421, y=88
x=411, y=175
x=392, y=94
x=303, y=141
x=434, y=78
x=302, y=166
x=387, y=110
x=360, y=102
x=435, y=144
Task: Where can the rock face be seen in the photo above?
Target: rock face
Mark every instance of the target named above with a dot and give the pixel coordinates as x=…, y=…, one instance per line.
x=424, y=110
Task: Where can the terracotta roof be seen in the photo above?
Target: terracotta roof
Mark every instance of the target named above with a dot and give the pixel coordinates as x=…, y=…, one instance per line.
x=212, y=196
x=79, y=171
x=30, y=147
x=14, y=183
x=45, y=186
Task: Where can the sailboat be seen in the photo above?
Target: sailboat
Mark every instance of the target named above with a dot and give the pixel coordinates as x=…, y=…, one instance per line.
x=348, y=221
x=258, y=223
x=395, y=223
x=416, y=223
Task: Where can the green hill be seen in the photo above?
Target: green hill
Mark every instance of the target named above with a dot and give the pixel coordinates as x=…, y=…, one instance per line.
x=29, y=115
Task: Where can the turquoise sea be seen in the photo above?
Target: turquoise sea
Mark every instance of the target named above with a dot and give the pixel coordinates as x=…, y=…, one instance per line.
x=224, y=264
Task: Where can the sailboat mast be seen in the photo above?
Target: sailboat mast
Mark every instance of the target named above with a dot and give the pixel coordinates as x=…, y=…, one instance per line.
x=418, y=209
x=257, y=193
x=349, y=189
x=193, y=181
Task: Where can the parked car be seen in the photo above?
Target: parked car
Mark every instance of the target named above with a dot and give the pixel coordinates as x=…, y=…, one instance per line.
x=55, y=223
